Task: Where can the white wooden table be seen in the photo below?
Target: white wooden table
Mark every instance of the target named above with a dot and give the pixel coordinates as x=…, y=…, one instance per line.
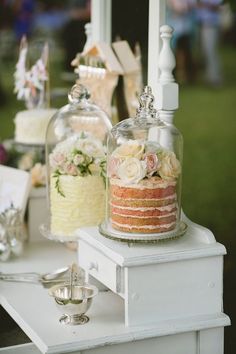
x=35, y=312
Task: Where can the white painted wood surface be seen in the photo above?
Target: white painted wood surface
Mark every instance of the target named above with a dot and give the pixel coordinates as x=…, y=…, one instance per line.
x=171, y=279
x=101, y=21
x=39, y=257
x=167, y=89
x=173, y=290
x=35, y=312
x=207, y=342
x=194, y=244
x=157, y=16
x=175, y=344
x=28, y=348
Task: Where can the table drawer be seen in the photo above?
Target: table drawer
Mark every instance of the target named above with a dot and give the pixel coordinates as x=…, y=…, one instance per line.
x=100, y=267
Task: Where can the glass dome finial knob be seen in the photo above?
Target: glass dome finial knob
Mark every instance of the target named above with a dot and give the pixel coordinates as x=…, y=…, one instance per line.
x=146, y=100
x=77, y=93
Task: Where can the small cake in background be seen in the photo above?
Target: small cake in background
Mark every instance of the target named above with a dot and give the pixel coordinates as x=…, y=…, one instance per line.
x=31, y=86
x=31, y=125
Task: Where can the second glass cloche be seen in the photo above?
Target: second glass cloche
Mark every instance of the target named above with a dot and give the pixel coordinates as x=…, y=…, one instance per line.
x=144, y=161
x=76, y=159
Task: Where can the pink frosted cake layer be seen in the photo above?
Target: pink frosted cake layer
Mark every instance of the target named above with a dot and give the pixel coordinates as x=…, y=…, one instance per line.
x=147, y=207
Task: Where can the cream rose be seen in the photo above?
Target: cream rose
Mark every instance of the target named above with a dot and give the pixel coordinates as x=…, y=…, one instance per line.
x=56, y=159
x=170, y=166
x=91, y=147
x=130, y=149
x=131, y=170
x=38, y=175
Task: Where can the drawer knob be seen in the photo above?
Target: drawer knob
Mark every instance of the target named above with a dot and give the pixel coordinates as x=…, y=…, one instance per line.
x=93, y=266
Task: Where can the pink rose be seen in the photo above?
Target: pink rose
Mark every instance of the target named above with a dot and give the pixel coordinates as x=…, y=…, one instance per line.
x=152, y=162
x=113, y=164
x=59, y=158
x=71, y=169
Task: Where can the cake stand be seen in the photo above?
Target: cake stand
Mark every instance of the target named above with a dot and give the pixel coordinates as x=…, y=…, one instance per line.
x=108, y=231
x=46, y=232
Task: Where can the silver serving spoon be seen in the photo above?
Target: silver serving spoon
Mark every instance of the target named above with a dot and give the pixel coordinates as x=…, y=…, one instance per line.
x=31, y=277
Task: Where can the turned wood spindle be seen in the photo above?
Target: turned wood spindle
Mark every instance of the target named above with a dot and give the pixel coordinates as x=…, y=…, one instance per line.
x=167, y=89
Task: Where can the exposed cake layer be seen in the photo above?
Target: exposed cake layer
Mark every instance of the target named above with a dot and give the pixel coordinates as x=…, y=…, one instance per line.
x=154, y=189
x=31, y=125
x=147, y=207
x=132, y=202
x=142, y=221
x=83, y=204
x=143, y=229
x=144, y=212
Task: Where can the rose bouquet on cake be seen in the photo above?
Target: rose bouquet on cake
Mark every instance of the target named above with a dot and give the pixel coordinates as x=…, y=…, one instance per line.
x=77, y=185
x=143, y=180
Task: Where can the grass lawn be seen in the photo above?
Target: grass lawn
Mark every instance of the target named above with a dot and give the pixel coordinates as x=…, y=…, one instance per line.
x=207, y=119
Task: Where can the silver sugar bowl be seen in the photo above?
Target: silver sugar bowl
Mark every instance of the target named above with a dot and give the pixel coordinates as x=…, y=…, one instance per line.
x=73, y=302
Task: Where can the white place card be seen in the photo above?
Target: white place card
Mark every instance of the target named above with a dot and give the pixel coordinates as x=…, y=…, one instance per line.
x=14, y=188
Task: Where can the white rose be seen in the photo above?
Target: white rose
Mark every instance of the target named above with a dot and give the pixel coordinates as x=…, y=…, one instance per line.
x=170, y=166
x=65, y=145
x=132, y=170
x=26, y=162
x=91, y=147
x=132, y=148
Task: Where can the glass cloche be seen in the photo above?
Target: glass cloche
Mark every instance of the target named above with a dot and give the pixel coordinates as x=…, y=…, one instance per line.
x=144, y=158
x=76, y=161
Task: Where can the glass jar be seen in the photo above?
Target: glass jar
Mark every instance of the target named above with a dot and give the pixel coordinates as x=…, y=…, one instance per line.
x=144, y=161
x=76, y=159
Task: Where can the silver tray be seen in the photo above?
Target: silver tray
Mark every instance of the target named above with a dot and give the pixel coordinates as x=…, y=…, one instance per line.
x=109, y=232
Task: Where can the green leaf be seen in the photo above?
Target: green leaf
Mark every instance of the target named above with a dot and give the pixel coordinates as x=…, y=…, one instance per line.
x=57, y=175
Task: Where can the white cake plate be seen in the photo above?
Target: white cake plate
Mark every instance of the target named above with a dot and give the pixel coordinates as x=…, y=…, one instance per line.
x=46, y=232
x=108, y=231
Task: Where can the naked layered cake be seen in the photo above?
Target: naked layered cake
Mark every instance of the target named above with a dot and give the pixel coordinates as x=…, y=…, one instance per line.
x=143, y=188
